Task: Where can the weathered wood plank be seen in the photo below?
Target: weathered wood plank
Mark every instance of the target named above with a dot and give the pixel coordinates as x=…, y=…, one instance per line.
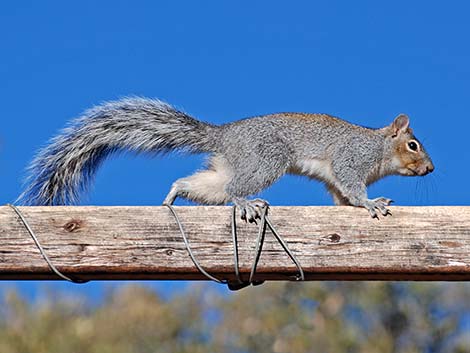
x=416, y=243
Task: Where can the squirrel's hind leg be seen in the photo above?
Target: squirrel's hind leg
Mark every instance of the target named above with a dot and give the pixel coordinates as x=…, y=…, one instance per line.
x=250, y=209
x=205, y=186
x=252, y=175
x=208, y=187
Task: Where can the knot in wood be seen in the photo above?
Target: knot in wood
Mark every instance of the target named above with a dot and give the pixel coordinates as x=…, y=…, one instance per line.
x=81, y=247
x=334, y=237
x=73, y=225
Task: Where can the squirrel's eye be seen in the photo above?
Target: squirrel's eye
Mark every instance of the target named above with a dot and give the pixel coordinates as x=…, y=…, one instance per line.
x=413, y=146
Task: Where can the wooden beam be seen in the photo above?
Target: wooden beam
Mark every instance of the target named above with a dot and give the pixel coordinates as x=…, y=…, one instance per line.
x=331, y=243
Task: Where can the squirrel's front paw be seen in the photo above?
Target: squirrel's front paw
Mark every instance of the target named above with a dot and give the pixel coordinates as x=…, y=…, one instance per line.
x=380, y=204
x=251, y=209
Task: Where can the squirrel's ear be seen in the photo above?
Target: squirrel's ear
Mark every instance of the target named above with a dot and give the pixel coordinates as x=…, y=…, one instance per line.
x=400, y=124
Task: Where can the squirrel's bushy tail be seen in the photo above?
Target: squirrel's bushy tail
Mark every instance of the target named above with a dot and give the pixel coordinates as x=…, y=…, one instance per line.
x=63, y=169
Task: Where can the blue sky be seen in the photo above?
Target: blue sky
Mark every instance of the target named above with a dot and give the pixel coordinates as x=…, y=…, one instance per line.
x=364, y=61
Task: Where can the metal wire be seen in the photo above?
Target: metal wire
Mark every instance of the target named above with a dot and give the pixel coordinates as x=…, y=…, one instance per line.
x=188, y=248
x=235, y=246
x=41, y=249
x=300, y=276
x=265, y=221
x=259, y=243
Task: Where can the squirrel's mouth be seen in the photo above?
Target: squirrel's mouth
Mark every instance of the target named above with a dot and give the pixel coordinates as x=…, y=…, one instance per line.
x=421, y=170
x=412, y=172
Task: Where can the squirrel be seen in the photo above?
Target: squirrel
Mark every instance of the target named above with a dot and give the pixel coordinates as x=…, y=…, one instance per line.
x=246, y=156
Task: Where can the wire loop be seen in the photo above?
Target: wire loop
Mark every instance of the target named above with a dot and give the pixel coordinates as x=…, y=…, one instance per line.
x=239, y=283
x=188, y=248
x=41, y=249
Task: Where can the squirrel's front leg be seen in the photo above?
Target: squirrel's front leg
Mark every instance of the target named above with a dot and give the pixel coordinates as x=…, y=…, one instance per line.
x=380, y=204
x=353, y=188
x=372, y=205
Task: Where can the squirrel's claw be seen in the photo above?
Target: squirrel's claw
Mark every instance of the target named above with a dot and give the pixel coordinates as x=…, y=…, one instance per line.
x=379, y=204
x=251, y=209
x=383, y=200
x=243, y=214
x=373, y=213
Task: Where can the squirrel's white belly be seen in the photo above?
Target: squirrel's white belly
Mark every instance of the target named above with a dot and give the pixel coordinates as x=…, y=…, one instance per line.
x=314, y=168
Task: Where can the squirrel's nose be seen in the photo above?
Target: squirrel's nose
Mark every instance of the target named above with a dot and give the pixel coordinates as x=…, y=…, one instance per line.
x=430, y=168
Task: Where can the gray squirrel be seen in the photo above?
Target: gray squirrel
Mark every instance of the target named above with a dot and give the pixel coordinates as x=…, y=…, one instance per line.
x=246, y=156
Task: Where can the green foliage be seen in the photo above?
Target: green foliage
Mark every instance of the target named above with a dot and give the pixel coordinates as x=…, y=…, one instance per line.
x=321, y=317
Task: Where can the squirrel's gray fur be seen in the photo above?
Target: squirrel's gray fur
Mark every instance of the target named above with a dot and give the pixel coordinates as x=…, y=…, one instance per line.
x=246, y=156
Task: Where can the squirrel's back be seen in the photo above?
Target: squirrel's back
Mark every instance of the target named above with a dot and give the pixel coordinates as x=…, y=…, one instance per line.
x=303, y=134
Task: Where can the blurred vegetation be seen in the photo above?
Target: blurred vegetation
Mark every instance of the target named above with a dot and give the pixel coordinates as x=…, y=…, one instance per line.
x=319, y=317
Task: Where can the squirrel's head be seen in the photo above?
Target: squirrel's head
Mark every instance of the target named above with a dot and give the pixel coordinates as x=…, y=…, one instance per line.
x=408, y=156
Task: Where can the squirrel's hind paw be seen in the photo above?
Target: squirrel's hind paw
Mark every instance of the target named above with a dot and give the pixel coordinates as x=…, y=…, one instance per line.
x=251, y=209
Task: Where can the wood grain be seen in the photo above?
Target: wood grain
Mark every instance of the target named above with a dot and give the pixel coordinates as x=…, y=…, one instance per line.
x=331, y=243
